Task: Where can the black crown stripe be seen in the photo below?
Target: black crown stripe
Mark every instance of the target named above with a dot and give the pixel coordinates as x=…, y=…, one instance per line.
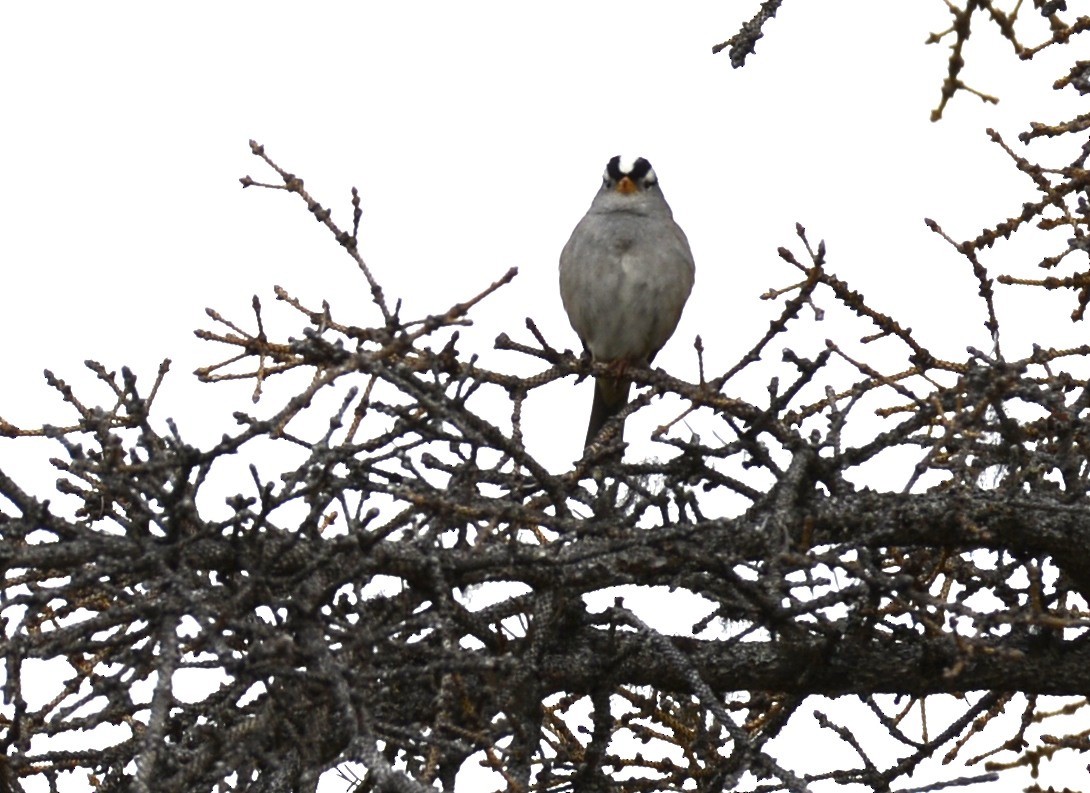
x=640, y=169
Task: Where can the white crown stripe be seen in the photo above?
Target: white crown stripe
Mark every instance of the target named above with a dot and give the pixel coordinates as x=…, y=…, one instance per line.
x=636, y=168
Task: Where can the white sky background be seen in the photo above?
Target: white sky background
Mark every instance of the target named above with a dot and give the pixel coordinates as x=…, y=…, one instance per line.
x=477, y=134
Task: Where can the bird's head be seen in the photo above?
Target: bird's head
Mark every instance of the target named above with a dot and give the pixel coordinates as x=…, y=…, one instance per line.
x=629, y=176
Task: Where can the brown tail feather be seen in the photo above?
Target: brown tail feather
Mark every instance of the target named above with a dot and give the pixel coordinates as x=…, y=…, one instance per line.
x=610, y=396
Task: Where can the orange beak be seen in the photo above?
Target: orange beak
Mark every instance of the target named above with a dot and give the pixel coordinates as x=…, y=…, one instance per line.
x=626, y=186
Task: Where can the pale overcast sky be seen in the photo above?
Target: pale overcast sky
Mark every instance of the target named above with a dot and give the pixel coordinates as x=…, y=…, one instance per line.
x=476, y=133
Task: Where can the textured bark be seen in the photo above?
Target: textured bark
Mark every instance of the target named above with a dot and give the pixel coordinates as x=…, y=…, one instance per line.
x=336, y=601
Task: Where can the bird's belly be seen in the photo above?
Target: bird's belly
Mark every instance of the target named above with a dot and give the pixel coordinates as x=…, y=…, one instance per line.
x=624, y=309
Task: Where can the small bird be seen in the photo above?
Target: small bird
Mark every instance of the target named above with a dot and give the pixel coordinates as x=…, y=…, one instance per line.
x=625, y=275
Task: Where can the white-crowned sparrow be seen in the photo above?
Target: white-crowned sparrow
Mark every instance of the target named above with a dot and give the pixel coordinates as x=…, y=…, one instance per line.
x=625, y=275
